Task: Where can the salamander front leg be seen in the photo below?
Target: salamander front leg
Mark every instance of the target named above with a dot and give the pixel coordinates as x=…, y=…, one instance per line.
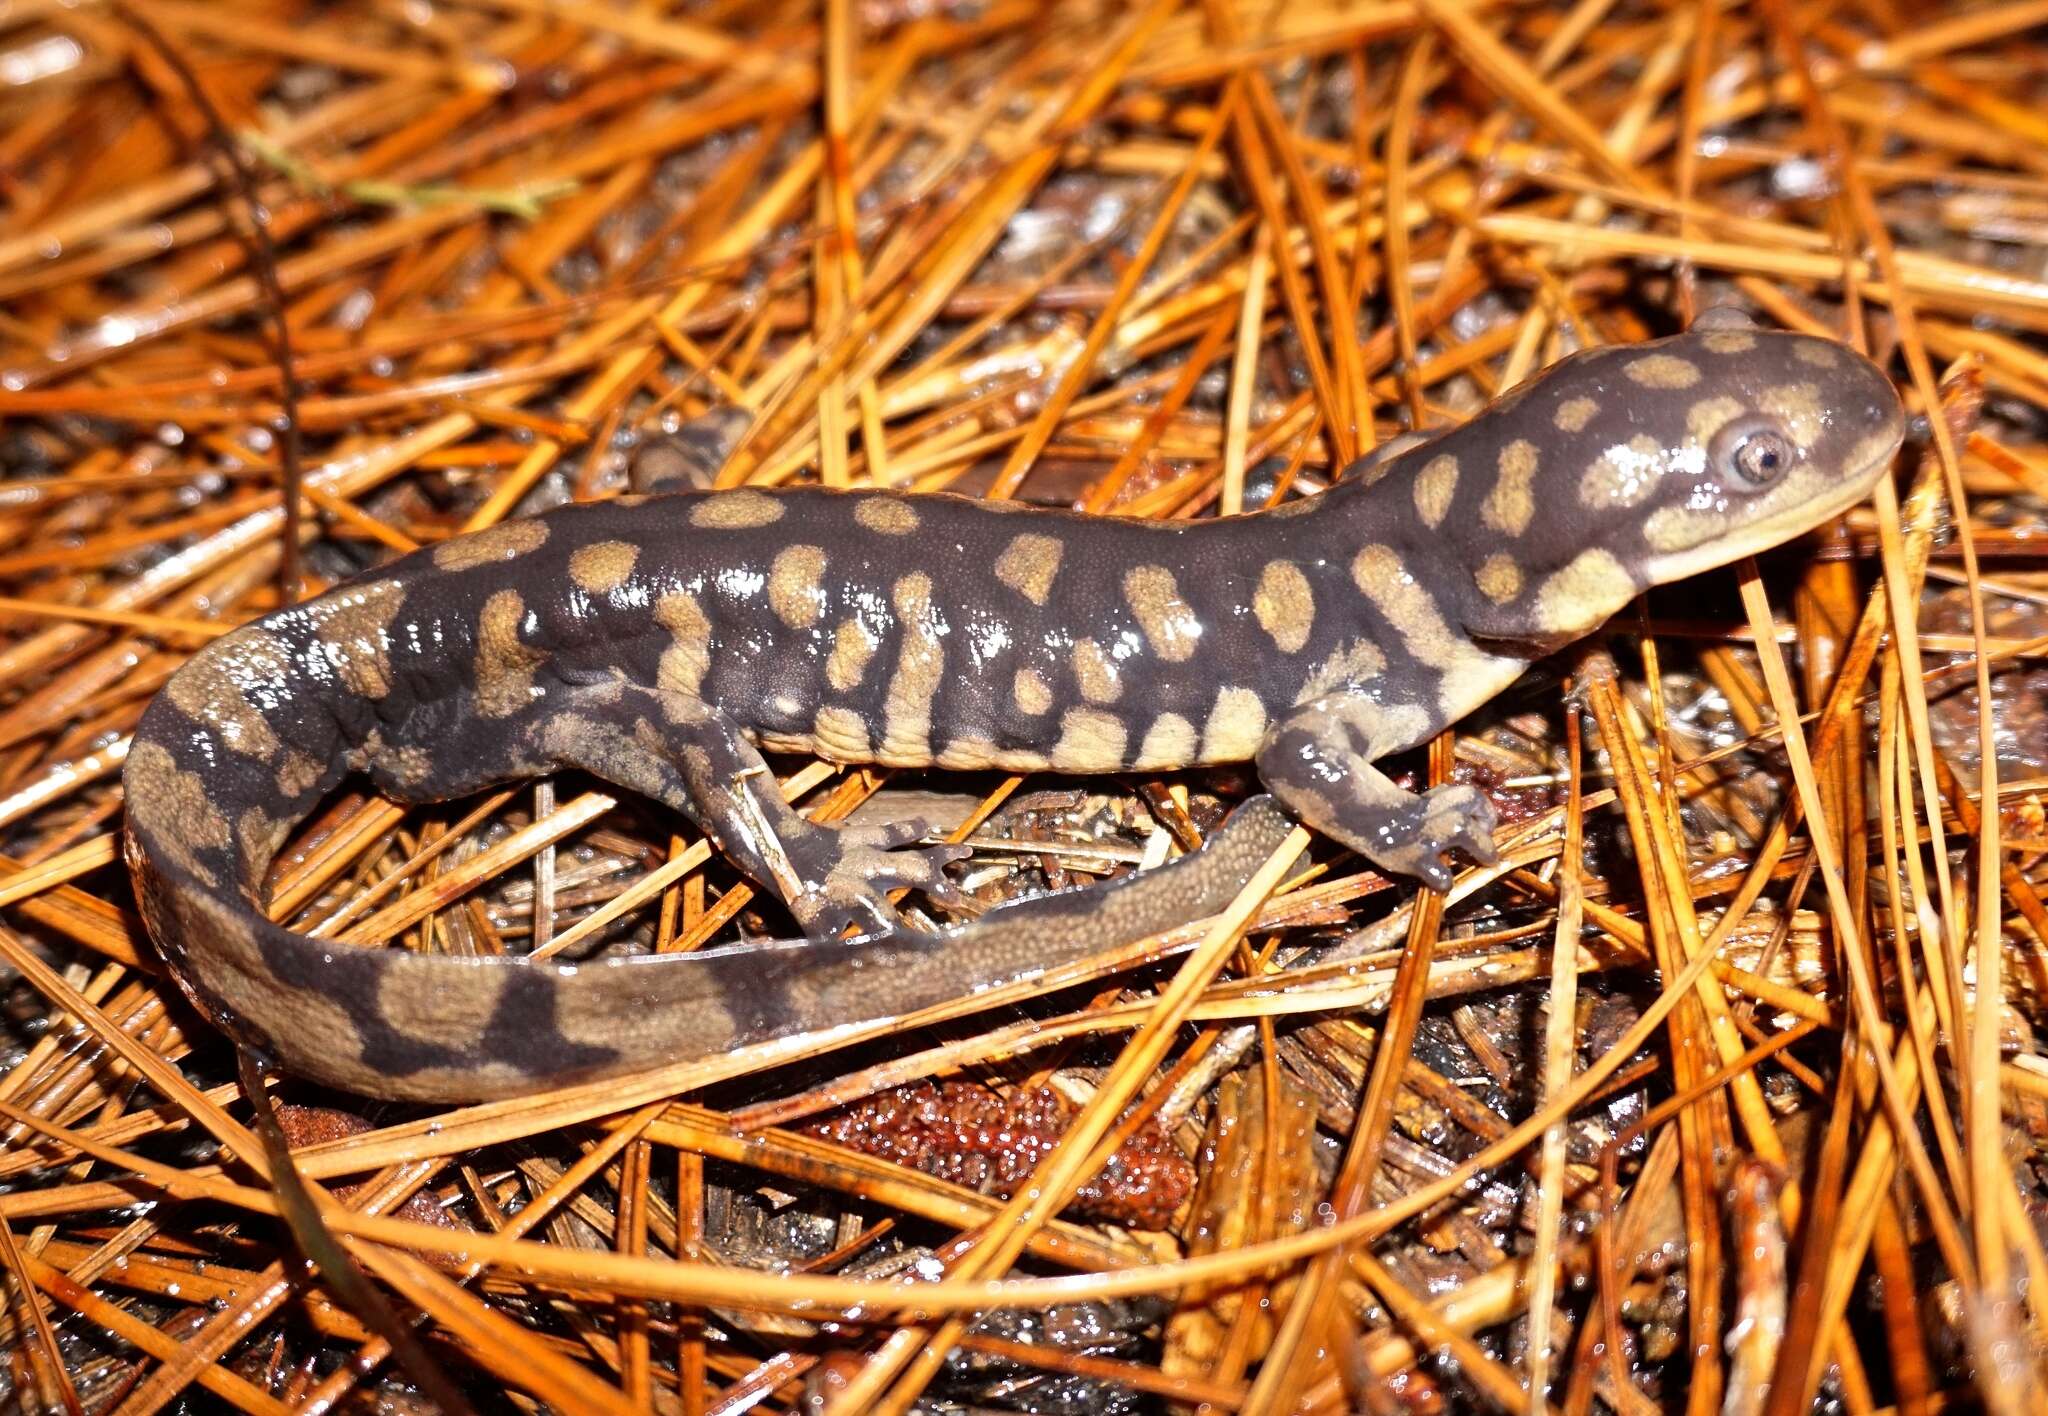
x=1318, y=760
x=690, y=756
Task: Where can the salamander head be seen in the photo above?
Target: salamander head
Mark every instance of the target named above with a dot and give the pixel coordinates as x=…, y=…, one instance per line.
x=1632, y=466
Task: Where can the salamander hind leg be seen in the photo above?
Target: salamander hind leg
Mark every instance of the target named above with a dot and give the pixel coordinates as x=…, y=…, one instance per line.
x=1318, y=760
x=690, y=756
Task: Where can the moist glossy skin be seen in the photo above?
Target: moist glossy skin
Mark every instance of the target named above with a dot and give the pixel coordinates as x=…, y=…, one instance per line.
x=659, y=643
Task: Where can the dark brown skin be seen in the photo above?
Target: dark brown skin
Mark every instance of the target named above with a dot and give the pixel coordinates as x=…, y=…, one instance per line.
x=661, y=643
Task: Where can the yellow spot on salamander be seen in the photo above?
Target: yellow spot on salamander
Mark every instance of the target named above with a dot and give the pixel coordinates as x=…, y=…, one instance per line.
x=840, y=734
x=1665, y=371
x=688, y=656
x=1435, y=485
x=503, y=542
x=1236, y=726
x=1090, y=741
x=352, y=625
x=1032, y=693
x=1356, y=663
x=1798, y=407
x=920, y=664
x=1728, y=341
x=795, y=585
x=1028, y=565
x=1096, y=673
x=1413, y=614
x=1171, y=626
x=504, y=665
x=886, y=515
x=1624, y=475
x=299, y=774
x=1499, y=578
x=1585, y=592
x=1284, y=605
x=182, y=818
x=603, y=567
x=212, y=688
x=1511, y=505
x=1821, y=353
x=1708, y=416
x=852, y=647
x=1169, y=742
x=1573, y=414
x=739, y=510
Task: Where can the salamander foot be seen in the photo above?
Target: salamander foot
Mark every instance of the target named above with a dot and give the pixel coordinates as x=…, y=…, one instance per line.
x=846, y=873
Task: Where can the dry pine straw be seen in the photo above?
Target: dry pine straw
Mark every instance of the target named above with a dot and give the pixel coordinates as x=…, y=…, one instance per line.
x=1088, y=255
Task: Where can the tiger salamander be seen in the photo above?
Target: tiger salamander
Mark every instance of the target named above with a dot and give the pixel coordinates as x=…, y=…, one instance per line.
x=664, y=643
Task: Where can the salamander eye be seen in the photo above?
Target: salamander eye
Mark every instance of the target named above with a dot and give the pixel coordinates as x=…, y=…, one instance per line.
x=1750, y=452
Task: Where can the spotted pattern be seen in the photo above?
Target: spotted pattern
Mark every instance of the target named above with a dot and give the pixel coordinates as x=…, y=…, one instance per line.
x=1624, y=475
x=920, y=663
x=1236, y=724
x=1797, y=406
x=841, y=734
x=351, y=626
x=603, y=567
x=852, y=647
x=1709, y=415
x=687, y=657
x=257, y=836
x=1499, y=578
x=970, y=752
x=504, y=668
x=1353, y=665
x=1820, y=353
x=216, y=691
x=1589, y=589
x=1728, y=341
x=1033, y=695
x=179, y=800
x=1511, y=505
x=1412, y=611
x=1091, y=740
x=1435, y=486
x=1678, y=528
x=508, y=540
x=1662, y=371
x=1169, y=742
x=740, y=510
x=796, y=590
x=1284, y=605
x=299, y=774
x=1096, y=674
x=1574, y=414
x=966, y=644
x=1029, y=564
x=886, y=516
x=1171, y=626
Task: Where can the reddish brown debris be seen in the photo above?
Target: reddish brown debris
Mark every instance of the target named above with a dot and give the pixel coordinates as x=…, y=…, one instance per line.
x=317, y=1125
x=971, y=1136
